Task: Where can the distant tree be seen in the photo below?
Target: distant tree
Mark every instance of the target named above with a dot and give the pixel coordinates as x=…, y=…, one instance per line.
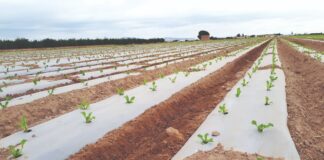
x=202, y=33
x=238, y=35
x=25, y=43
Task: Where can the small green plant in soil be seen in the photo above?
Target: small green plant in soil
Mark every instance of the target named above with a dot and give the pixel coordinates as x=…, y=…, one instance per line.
x=267, y=101
x=173, y=80
x=273, y=77
x=250, y=75
x=205, y=139
x=144, y=81
x=35, y=81
x=82, y=73
x=16, y=151
x=244, y=83
x=24, y=125
x=223, y=109
x=88, y=117
x=129, y=100
x=261, y=126
x=161, y=75
x=269, y=85
x=5, y=104
x=51, y=91
x=153, y=87
x=187, y=74
x=120, y=91
x=254, y=69
x=238, y=92
x=84, y=105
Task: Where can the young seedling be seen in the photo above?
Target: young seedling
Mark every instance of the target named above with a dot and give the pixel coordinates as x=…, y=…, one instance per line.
x=269, y=85
x=244, y=83
x=223, y=109
x=238, y=92
x=5, y=103
x=120, y=91
x=261, y=126
x=173, y=79
x=250, y=75
x=35, y=81
x=204, y=138
x=187, y=74
x=51, y=91
x=273, y=77
x=267, y=101
x=154, y=86
x=144, y=81
x=254, y=69
x=24, y=125
x=17, y=151
x=161, y=75
x=82, y=73
x=84, y=105
x=88, y=117
x=129, y=100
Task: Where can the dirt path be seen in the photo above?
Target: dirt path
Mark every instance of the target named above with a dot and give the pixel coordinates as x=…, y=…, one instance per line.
x=146, y=138
x=305, y=100
x=49, y=107
x=316, y=45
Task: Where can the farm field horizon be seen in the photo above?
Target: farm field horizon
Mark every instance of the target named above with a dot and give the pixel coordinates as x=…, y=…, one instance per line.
x=161, y=80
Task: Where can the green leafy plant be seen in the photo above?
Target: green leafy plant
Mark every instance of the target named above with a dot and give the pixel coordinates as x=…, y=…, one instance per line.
x=238, y=92
x=223, y=109
x=16, y=151
x=261, y=126
x=84, y=105
x=144, y=81
x=161, y=75
x=250, y=75
x=82, y=73
x=154, y=86
x=244, y=82
x=254, y=69
x=5, y=104
x=120, y=91
x=273, y=77
x=24, y=125
x=173, y=80
x=51, y=91
x=269, y=85
x=88, y=117
x=187, y=74
x=35, y=81
x=205, y=139
x=129, y=100
x=267, y=101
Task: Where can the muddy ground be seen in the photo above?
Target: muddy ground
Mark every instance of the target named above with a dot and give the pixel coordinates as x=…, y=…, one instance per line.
x=305, y=100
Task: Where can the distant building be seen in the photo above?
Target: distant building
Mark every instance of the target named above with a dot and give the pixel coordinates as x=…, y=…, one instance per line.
x=203, y=35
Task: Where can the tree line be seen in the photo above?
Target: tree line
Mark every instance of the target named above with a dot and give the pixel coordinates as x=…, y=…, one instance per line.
x=22, y=43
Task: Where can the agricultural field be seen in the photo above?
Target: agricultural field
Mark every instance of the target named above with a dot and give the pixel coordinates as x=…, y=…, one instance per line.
x=310, y=36
x=245, y=98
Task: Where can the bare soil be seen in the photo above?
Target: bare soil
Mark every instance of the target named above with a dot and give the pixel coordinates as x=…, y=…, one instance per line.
x=146, y=137
x=49, y=107
x=316, y=45
x=305, y=100
x=219, y=153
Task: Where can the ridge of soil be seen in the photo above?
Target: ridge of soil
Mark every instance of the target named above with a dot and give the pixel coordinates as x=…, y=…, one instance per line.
x=145, y=137
x=316, y=45
x=219, y=153
x=49, y=107
x=305, y=101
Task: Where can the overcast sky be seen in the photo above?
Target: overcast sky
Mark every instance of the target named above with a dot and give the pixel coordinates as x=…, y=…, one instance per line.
x=38, y=19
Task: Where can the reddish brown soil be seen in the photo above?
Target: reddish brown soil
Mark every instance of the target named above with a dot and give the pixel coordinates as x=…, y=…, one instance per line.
x=305, y=100
x=219, y=153
x=145, y=137
x=316, y=45
x=47, y=108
